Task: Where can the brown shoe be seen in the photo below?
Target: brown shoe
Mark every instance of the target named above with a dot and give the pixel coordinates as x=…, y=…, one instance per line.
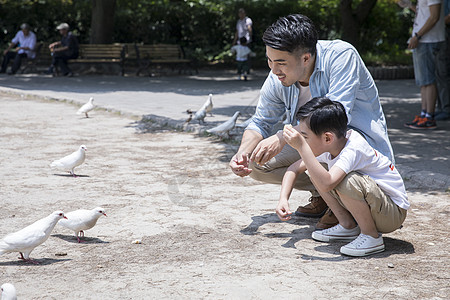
x=314, y=209
x=327, y=221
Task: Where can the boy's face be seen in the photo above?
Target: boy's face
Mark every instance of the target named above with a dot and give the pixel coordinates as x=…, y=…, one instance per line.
x=316, y=143
x=288, y=67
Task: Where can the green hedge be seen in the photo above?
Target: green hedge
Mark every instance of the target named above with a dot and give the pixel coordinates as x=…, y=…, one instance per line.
x=206, y=28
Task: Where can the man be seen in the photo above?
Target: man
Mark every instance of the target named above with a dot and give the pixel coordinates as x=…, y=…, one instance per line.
x=243, y=28
x=63, y=50
x=443, y=104
x=26, y=40
x=428, y=45
x=331, y=69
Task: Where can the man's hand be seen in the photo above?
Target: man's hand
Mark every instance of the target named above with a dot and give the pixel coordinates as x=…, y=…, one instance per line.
x=239, y=164
x=293, y=137
x=267, y=149
x=283, y=211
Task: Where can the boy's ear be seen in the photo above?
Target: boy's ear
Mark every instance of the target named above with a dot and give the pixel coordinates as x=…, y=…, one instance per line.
x=328, y=137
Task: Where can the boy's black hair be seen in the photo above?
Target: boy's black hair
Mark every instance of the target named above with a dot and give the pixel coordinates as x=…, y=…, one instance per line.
x=322, y=115
x=243, y=41
x=292, y=33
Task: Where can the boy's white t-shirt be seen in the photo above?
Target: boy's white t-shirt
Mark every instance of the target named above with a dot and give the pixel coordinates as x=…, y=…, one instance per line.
x=242, y=52
x=360, y=157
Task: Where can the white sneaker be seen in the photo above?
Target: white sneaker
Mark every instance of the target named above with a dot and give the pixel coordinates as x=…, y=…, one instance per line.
x=364, y=245
x=336, y=233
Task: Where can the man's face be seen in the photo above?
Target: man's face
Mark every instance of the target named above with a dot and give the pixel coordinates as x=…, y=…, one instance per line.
x=289, y=67
x=241, y=14
x=26, y=31
x=63, y=31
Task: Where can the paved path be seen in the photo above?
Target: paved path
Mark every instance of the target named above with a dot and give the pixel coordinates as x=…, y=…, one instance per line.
x=420, y=156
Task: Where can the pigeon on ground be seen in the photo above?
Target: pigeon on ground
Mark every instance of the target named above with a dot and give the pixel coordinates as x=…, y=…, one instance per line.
x=200, y=116
x=86, y=107
x=245, y=123
x=25, y=240
x=82, y=219
x=224, y=128
x=208, y=105
x=8, y=292
x=69, y=162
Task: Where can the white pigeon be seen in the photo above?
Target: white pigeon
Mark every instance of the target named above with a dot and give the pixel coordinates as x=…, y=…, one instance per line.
x=25, y=240
x=82, y=219
x=224, y=128
x=8, y=292
x=86, y=107
x=208, y=105
x=70, y=162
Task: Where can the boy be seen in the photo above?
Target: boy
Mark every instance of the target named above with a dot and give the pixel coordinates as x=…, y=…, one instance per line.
x=362, y=187
x=242, y=53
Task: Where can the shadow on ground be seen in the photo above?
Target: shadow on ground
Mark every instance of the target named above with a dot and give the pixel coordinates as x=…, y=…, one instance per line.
x=85, y=240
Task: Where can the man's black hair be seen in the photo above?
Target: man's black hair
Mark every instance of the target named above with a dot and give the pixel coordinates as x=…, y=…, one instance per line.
x=243, y=41
x=322, y=115
x=292, y=33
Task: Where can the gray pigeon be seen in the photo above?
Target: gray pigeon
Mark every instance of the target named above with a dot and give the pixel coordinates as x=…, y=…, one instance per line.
x=8, y=292
x=82, y=219
x=200, y=116
x=70, y=162
x=224, y=128
x=25, y=240
x=245, y=123
x=86, y=107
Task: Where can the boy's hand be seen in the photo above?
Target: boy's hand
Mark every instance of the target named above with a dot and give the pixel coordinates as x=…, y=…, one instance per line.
x=293, y=137
x=283, y=211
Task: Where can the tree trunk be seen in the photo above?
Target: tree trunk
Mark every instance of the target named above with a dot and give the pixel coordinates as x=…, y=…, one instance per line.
x=351, y=20
x=102, y=22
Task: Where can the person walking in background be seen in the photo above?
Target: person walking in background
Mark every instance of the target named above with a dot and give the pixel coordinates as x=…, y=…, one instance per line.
x=63, y=50
x=427, y=43
x=244, y=28
x=25, y=39
x=242, y=52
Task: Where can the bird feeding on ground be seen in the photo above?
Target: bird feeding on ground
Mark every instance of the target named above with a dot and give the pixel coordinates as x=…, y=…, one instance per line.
x=25, y=240
x=201, y=113
x=70, y=162
x=86, y=107
x=82, y=219
x=8, y=292
x=225, y=128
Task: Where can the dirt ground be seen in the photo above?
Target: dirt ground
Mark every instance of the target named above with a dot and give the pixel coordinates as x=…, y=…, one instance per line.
x=205, y=232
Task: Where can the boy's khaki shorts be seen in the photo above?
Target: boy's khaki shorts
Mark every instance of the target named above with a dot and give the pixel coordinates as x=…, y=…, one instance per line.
x=386, y=214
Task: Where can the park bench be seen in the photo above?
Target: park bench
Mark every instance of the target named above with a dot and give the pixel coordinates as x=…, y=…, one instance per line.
x=149, y=56
x=101, y=53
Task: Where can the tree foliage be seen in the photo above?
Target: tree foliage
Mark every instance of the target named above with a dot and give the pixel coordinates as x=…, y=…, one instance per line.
x=205, y=28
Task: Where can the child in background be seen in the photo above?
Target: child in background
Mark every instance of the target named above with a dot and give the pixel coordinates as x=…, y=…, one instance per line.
x=242, y=53
x=362, y=187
